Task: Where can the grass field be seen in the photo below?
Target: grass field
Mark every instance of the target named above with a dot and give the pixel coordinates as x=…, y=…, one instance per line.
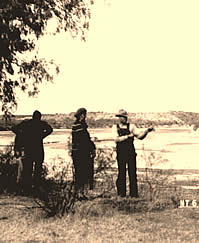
x=19, y=224
x=104, y=219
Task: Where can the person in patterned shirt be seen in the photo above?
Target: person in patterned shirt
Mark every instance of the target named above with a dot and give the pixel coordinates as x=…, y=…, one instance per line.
x=83, y=153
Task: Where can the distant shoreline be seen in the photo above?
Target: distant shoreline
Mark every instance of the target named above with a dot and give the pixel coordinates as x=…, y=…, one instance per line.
x=105, y=120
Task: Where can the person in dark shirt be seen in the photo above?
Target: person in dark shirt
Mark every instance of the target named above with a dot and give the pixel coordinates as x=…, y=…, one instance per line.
x=83, y=153
x=124, y=134
x=29, y=139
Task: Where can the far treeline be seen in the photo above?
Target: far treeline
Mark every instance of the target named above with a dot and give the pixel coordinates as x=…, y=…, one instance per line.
x=105, y=120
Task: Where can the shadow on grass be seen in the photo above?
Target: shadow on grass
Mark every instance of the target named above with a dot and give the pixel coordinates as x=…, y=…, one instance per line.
x=110, y=206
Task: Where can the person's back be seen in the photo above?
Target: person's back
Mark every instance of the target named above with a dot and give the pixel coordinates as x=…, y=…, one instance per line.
x=35, y=130
x=29, y=136
x=34, y=133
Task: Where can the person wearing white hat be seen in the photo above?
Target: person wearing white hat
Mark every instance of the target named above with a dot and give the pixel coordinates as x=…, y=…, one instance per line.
x=124, y=134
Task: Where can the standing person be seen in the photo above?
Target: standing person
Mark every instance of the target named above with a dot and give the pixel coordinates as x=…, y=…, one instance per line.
x=32, y=133
x=83, y=153
x=124, y=134
x=19, y=153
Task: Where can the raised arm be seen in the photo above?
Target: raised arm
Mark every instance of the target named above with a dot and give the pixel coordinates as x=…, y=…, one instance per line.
x=140, y=134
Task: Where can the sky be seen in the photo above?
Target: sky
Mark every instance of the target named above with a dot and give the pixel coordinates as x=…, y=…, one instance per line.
x=142, y=56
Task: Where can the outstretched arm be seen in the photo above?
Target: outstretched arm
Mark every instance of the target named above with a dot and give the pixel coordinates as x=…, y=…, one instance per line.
x=141, y=135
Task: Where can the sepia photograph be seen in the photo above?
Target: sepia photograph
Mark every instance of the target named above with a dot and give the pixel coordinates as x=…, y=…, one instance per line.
x=99, y=121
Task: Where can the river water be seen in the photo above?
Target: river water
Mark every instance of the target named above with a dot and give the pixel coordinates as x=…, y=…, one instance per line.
x=175, y=148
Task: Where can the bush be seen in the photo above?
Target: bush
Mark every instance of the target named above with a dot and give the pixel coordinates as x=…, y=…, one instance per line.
x=8, y=171
x=56, y=198
x=156, y=185
x=57, y=191
x=57, y=195
x=104, y=171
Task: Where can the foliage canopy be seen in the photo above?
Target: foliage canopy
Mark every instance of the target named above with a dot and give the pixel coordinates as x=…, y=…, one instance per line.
x=22, y=22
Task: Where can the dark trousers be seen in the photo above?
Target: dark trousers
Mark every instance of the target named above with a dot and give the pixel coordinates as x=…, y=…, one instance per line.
x=84, y=170
x=91, y=173
x=32, y=170
x=80, y=163
x=129, y=160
